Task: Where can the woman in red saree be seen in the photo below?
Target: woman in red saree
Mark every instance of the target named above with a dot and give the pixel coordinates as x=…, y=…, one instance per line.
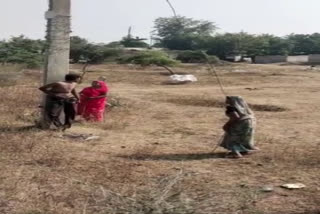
x=93, y=101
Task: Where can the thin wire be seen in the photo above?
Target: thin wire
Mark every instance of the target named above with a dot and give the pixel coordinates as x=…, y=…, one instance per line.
x=213, y=70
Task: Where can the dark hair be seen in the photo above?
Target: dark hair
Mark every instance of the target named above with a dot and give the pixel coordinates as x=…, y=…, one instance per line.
x=72, y=77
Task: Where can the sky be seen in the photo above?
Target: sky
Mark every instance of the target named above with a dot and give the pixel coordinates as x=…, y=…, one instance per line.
x=109, y=20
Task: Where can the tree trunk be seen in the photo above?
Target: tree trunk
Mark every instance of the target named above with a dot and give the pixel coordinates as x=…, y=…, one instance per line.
x=168, y=69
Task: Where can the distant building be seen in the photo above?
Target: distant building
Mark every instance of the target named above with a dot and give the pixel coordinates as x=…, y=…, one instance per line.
x=234, y=58
x=302, y=59
x=270, y=59
x=298, y=59
x=314, y=59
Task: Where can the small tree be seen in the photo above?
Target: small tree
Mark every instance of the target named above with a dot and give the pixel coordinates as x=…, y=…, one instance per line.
x=182, y=33
x=130, y=42
x=148, y=58
x=78, y=47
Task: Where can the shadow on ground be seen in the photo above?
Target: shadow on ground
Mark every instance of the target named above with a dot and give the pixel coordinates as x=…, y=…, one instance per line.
x=15, y=129
x=175, y=157
x=210, y=102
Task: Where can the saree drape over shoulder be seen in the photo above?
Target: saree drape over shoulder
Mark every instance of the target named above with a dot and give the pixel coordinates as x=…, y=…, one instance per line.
x=240, y=136
x=93, y=109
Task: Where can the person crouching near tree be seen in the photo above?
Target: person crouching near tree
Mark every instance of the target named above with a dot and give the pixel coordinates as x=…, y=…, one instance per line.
x=61, y=96
x=239, y=130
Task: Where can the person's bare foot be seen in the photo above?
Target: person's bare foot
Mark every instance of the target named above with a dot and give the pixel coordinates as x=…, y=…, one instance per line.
x=237, y=155
x=246, y=153
x=254, y=149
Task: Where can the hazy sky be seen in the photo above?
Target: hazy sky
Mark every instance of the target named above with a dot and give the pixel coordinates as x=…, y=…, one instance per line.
x=108, y=20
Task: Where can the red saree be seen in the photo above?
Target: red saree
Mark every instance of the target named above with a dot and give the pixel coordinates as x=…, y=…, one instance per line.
x=93, y=109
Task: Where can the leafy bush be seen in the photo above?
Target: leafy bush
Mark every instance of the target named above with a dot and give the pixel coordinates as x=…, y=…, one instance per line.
x=149, y=58
x=31, y=60
x=191, y=57
x=22, y=50
x=195, y=57
x=213, y=59
x=82, y=50
x=134, y=42
x=95, y=54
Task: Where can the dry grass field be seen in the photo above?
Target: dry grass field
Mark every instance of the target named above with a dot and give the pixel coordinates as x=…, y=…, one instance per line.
x=155, y=151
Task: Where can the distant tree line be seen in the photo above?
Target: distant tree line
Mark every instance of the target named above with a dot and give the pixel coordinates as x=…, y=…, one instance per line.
x=181, y=33
x=186, y=35
x=23, y=51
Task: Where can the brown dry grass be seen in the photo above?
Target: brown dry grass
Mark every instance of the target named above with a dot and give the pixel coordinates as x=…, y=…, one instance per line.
x=155, y=153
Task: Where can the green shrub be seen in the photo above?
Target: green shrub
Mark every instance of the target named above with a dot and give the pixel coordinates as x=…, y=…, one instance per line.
x=213, y=60
x=21, y=50
x=134, y=42
x=82, y=50
x=149, y=58
x=195, y=57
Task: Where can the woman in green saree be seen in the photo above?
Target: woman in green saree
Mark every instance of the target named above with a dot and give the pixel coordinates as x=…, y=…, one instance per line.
x=239, y=130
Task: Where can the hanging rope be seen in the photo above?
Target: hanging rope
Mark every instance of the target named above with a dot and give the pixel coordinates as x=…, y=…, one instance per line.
x=84, y=72
x=216, y=145
x=214, y=71
x=172, y=8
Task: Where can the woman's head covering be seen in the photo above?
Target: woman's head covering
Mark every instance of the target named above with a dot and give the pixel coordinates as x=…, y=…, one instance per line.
x=103, y=87
x=240, y=104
